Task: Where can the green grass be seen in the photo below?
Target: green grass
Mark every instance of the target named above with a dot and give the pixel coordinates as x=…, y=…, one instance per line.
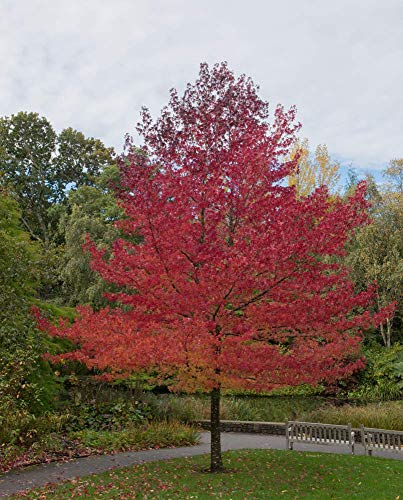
x=252, y=474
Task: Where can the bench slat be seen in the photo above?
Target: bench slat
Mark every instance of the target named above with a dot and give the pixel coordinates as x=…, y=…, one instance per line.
x=381, y=439
x=312, y=432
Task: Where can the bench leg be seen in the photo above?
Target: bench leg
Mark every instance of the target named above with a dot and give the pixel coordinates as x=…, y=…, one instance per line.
x=291, y=445
x=370, y=453
x=352, y=449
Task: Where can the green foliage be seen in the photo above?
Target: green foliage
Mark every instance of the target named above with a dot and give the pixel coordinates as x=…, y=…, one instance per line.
x=19, y=381
x=38, y=165
x=297, y=390
x=152, y=435
x=378, y=415
x=93, y=212
x=20, y=342
x=54, y=311
x=376, y=251
x=26, y=381
x=383, y=377
x=268, y=409
x=19, y=260
x=167, y=407
x=107, y=416
x=21, y=428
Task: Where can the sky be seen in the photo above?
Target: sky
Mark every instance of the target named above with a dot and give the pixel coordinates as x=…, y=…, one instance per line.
x=92, y=64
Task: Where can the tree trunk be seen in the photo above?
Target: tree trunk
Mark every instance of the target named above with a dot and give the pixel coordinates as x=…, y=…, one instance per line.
x=216, y=459
x=388, y=333
x=383, y=334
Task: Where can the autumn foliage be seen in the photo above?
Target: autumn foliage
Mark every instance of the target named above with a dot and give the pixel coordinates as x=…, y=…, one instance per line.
x=237, y=283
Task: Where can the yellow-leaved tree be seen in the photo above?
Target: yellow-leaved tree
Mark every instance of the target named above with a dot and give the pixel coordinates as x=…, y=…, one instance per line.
x=313, y=169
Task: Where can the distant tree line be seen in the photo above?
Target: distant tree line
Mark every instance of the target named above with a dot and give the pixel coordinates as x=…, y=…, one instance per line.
x=55, y=188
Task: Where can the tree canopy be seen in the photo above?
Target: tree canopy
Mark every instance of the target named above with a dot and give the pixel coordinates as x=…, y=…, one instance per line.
x=313, y=170
x=375, y=253
x=93, y=211
x=37, y=166
x=235, y=282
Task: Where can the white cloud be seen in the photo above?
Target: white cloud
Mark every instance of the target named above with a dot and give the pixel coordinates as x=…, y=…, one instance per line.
x=92, y=64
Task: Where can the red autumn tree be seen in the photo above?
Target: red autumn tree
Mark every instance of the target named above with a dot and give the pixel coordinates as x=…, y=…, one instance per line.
x=237, y=282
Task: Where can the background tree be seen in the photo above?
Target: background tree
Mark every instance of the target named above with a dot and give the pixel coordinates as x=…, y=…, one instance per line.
x=232, y=285
x=19, y=260
x=19, y=341
x=313, y=170
x=394, y=177
x=376, y=252
x=93, y=211
x=38, y=167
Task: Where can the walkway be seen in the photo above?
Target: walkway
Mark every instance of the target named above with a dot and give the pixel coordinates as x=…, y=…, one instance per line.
x=39, y=475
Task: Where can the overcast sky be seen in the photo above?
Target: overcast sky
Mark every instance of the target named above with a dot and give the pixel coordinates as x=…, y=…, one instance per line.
x=92, y=64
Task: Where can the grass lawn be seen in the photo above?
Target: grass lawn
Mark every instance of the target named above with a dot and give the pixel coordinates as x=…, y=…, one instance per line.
x=251, y=474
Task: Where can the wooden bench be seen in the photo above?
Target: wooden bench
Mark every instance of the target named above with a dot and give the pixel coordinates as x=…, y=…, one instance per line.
x=309, y=432
x=381, y=439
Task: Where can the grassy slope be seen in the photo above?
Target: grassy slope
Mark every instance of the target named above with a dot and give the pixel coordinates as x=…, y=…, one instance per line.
x=252, y=474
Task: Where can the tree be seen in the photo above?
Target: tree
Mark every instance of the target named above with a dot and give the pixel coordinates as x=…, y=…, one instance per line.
x=394, y=175
x=311, y=171
x=232, y=285
x=19, y=342
x=19, y=261
x=375, y=253
x=38, y=167
x=93, y=210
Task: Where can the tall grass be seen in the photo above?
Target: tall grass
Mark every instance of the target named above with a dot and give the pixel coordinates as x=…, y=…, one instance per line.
x=197, y=407
x=187, y=409
x=152, y=435
x=384, y=415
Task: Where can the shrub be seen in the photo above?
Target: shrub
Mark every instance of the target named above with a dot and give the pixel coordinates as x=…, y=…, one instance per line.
x=383, y=377
x=107, y=416
x=21, y=428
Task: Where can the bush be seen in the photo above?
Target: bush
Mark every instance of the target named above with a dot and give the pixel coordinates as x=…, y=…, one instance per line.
x=383, y=377
x=112, y=416
x=21, y=428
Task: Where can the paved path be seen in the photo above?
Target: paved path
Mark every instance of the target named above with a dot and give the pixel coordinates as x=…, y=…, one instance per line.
x=39, y=475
